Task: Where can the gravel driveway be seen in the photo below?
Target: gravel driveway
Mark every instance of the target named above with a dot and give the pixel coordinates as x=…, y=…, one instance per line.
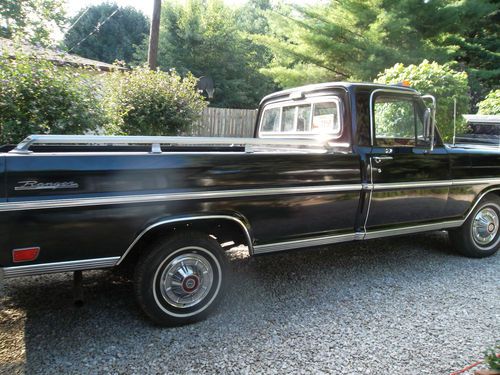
x=404, y=305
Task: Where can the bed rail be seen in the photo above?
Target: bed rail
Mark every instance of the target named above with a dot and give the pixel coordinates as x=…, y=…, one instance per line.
x=156, y=142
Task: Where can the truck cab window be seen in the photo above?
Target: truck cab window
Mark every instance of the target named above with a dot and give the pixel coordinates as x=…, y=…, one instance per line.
x=287, y=119
x=326, y=118
x=307, y=117
x=397, y=122
x=271, y=120
x=304, y=118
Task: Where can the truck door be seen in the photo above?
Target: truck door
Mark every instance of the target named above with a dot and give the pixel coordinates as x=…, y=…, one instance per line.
x=410, y=182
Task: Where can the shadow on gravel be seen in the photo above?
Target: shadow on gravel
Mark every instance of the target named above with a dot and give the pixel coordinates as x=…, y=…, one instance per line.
x=109, y=328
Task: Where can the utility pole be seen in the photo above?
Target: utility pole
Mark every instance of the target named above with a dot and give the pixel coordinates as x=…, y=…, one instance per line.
x=153, y=35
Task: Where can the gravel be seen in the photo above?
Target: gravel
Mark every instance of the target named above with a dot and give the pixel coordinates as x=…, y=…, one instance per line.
x=404, y=305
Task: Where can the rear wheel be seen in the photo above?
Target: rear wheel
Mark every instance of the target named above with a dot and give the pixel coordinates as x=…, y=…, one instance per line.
x=181, y=279
x=479, y=236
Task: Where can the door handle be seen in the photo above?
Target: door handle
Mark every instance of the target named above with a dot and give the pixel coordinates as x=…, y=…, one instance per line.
x=380, y=159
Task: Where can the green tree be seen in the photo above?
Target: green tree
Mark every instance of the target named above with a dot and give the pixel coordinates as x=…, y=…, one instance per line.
x=205, y=38
x=31, y=21
x=491, y=104
x=36, y=97
x=146, y=102
x=355, y=39
x=106, y=32
x=441, y=81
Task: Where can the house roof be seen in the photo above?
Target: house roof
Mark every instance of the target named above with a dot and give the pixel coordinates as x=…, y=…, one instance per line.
x=55, y=56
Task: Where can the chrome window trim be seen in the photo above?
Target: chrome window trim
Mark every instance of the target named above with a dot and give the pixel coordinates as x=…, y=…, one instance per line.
x=66, y=266
x=295, y=103
x=372, y=105
x=148, y=198
x=187, y=219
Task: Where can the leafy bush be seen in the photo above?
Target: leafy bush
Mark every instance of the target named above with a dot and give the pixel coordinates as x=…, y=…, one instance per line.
x=149, y=102
x=441, y=81
x=491, y=104
x=37, y=97
x=492, y=356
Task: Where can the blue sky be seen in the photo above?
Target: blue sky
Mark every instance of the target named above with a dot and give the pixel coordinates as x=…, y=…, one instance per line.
x=146, y=6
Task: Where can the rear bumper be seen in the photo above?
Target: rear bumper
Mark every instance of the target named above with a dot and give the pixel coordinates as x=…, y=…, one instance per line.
x=68, y=266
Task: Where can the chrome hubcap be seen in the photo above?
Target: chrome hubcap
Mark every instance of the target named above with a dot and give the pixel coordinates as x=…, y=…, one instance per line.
x=485, y=226
x=186, y=280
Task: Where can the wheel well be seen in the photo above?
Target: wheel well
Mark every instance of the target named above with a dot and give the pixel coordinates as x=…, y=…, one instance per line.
x=496, y=192
x=224, y=230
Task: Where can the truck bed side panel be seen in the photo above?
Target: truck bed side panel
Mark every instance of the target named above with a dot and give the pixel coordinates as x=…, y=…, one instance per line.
x=119, y=188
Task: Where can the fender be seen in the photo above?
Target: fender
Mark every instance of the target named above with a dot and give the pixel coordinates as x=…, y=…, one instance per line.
x=168, y=221
x=479, y=198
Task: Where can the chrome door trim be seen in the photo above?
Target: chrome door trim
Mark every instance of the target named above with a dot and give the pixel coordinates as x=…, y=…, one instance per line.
x=147, y=198
x=412, y=229
x=187, y=219
x=476, y=181
x=66, y=266
x=296, y=244
x=328, y=240
x=412, y=185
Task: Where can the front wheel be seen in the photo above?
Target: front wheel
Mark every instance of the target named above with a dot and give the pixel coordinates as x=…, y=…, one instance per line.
x=479, y=236
x=181, y=279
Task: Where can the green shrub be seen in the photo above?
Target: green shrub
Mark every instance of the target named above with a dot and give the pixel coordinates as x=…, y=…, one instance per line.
x=146, y=102
x=37, y=97
x=491, y=104
x=441, y=81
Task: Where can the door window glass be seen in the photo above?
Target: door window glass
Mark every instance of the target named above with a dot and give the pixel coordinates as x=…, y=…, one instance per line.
x=396, y=122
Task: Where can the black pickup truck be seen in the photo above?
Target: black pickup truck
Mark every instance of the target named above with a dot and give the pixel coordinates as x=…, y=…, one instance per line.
x=329, y=163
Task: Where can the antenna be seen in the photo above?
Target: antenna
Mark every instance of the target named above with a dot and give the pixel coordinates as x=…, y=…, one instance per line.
x=454, y=119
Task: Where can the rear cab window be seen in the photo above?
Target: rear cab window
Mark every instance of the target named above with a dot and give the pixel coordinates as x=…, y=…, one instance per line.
x=308, y=118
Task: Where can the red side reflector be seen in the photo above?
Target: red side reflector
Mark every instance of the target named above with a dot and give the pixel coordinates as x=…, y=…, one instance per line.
x=25, y=255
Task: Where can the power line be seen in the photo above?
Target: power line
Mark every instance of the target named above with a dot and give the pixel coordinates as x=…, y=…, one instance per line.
x=96, y=29
x=78, y=19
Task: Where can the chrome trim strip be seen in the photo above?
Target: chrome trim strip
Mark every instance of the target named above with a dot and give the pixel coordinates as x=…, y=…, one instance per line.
x=476, y=181
x=190, y=218
x=214, y=194
x=317, y=241
x=73, y=265
x=412, y=229
x=24, y=146
x=327, y=240
x=412, y=185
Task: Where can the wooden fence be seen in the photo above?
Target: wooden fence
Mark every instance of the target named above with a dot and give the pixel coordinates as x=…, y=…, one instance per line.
x=225, y=122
